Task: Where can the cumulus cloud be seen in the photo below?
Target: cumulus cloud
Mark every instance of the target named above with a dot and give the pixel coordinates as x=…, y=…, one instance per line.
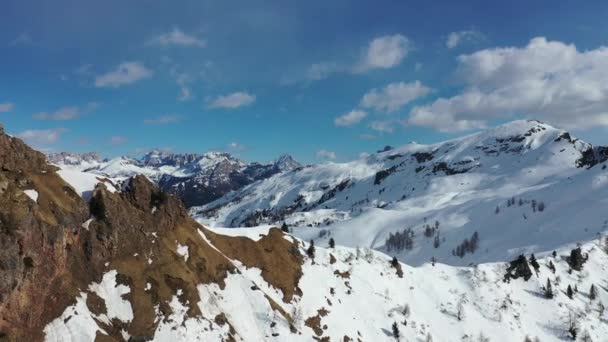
x=163, y=120
x=6, y=107
x=41, y=136
x=394, y=96
x=381, y=53
x=384, y=52
x=177, y=37
x=363, y=155
x=385, y=126
x=66, y=113
x=233, y=101
x=456, y=38
x=548, y=80
x=118, y=140
x=125, y=73
x=325, y=154
x=350, y=118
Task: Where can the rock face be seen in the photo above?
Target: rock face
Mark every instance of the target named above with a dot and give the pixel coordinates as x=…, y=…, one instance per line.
x=39, y=241
x=53, y=245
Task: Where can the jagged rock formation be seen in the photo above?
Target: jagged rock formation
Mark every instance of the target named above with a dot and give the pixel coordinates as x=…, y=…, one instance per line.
x=53, y=245
x=195, y=178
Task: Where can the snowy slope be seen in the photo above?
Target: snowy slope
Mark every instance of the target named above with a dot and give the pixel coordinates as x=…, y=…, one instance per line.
x=355, y=294
x=524, y=187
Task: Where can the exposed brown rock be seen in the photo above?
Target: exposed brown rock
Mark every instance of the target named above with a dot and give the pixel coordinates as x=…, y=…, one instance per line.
x=278, y=258
x=47, y=258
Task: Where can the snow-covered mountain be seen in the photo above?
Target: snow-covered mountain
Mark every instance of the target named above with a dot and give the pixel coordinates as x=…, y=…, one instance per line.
x=345, y=294
x=196, y=178
x=77, y=160
x=83, y=259
x=523, y=187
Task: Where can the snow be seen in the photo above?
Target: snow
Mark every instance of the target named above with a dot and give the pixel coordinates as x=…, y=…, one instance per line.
x=345, y=202
x=112, y=293
x=75, y=324
x=183, y=251
x=370, y=297
x=86, y=224
x=253, y=233
x=33, y=194
x=83, y=182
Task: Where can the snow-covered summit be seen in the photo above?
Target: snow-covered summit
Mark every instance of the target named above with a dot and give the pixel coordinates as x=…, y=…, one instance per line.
x=492, y=182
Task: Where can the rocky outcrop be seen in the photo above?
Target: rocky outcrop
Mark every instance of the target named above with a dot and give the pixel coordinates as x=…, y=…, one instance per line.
x=53, y=245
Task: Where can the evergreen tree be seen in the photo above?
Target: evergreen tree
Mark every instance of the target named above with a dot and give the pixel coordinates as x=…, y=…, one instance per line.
x=572, y=327
x=332, y=243
x=551, y=266
x=395, y=331
x=311, y=250
x=554, y=254
x=285, y=228
x=592, y=292
x=569, y=292
x=436, y=241
x=395, y=262
x=548, y=289
x=534, y=263
x=460, y=310
x=497, y=210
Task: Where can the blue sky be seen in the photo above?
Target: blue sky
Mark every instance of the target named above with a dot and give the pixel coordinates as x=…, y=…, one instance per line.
x=322, y=80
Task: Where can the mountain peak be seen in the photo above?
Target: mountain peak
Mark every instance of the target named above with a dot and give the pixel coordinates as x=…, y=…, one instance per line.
x=285, y=162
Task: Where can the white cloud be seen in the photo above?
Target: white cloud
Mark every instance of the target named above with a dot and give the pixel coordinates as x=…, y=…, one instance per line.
x=350, y=118
x=319, y=71
x=41, y=136
x=384, y=52
x=163, y=120
x=548, y=80
x=325, y=154
x=394, y=96
x=236, y=146
x=385, y=126
x=232, y=101
x=118, y=140
x=456, y=38
x=67, y=113
x=125, y=73
x=363, y=155
x=6, y=107
x=177, y=37
x=381, y=53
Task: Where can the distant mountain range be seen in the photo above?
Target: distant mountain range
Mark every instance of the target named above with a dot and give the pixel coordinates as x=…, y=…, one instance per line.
x=196, y=178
